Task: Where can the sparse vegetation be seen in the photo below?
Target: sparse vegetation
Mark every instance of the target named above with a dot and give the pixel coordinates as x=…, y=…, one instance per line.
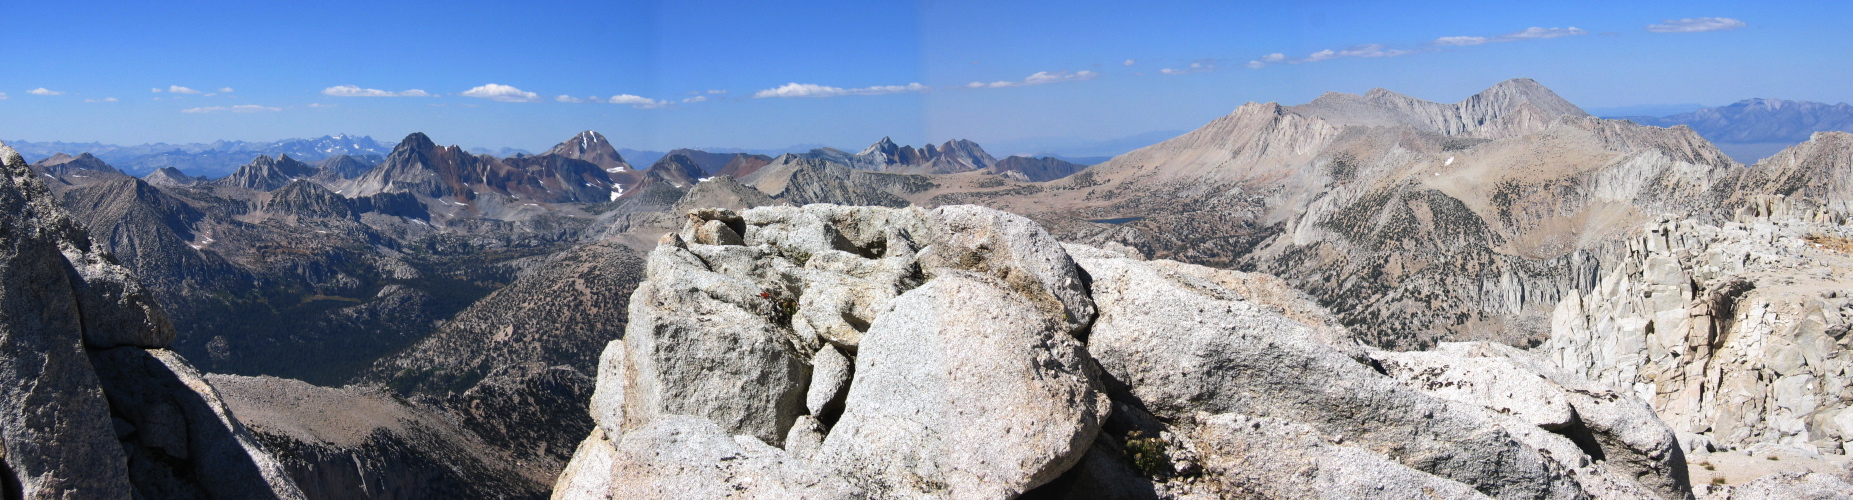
x=1835, y=243
x=1148, y=454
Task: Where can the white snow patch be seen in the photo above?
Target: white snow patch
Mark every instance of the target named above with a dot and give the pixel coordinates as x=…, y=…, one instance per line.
x=1449, y=162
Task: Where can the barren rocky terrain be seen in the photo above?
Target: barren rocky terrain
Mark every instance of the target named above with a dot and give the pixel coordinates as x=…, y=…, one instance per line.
x=1362, y=296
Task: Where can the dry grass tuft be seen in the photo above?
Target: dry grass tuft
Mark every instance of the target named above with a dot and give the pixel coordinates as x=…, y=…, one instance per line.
x=1835, y=243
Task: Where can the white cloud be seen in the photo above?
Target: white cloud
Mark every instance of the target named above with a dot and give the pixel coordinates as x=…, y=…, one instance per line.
x=815, y=90
x=638, y=102
x=320, y=105
x=503, y=93
x=155, y=90
x=1040, y=78
x=568, y=98
x=176, y=89
x=242, y=108
x=1460, y=40
x=1264, y=61
x=225, y=90
x=715, y=91
x=1532, y=33
x=1536, y=33
x=44, y=91
x=1201, y=65
x=2, y=95
x=699, y=98
x=355, y=91
x=1366, y=51
x=106, y=99
x=1695, y=25
x=1129, y=62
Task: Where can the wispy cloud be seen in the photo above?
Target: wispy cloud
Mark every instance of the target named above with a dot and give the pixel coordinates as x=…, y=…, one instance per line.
x=225, y=90
x=568, y=98
x=638, y=102
x=1040, y=78
x=1532, y=33
x=1263, y=61
x=699, y=98
x=106, y=99
x=176, y=89
x=815, y=90
x=1198, y=66
x=356, y=91
x=1129, y=62
x=716, y=91
x=156, y=90
x=503, y=93
x=1375, y=50
x=1366, y=51
x=320, y=105
x=242, y=108
x=1695, y=25
x=2, y=95
x=44, y=91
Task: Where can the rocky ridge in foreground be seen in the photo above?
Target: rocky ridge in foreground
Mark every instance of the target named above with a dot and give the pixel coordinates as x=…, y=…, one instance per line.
x=844, y=352
x=94, y=405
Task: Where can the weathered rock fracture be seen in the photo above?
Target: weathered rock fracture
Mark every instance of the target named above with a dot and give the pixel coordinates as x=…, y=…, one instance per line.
x=961, y=352
x=91, y=404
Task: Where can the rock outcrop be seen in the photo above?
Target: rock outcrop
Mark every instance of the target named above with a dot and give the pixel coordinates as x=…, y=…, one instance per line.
x=93, y=406
x=1737, y=334
x=975, y=357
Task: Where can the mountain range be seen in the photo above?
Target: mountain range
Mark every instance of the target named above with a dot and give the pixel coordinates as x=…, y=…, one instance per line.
x=435, y=321
x=1752, y=129
x=215, y=159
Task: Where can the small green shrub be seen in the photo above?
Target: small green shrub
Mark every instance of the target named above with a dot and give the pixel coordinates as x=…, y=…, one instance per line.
x=1717, y=480
x=1148, y=454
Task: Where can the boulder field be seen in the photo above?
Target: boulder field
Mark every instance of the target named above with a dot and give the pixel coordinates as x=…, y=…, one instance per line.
x=961, y=352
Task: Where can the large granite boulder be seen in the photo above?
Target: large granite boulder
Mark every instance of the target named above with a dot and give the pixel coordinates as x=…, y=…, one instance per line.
x=826, y=351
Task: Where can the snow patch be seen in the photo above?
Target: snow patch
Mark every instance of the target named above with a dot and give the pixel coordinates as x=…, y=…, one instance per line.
x=1449, y=162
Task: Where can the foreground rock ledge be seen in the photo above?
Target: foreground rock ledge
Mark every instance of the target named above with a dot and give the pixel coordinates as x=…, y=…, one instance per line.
x=853, y=352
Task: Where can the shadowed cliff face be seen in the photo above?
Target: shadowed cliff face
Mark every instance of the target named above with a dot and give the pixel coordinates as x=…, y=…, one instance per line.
x=95, y=406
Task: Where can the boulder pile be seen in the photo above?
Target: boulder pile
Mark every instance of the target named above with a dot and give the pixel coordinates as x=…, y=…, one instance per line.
x=961, y=352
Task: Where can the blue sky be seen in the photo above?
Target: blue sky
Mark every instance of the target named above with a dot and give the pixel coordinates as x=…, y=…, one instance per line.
x=721, y=74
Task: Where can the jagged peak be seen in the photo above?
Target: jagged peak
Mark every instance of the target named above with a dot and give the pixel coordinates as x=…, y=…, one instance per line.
x=416, y=140
x=1519, y=91
x=581, y=143
x=883, y=146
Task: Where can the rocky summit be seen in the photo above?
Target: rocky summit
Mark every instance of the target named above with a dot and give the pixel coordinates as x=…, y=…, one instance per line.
x=1363, y=296
x=962, y=352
